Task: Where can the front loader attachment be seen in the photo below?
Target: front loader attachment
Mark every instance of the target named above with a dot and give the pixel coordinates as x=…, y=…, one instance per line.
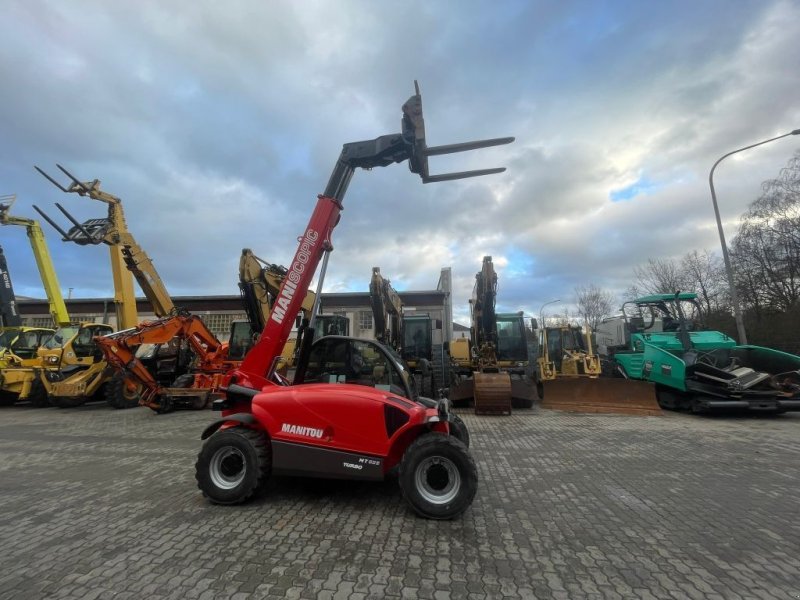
x=600, y=395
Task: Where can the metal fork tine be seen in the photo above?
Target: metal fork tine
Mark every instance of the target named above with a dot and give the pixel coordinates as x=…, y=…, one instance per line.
x=74, y=179
x=51, y=180
x=465, y=146
x=461, y=175
x=74, y=222
x=53, y=223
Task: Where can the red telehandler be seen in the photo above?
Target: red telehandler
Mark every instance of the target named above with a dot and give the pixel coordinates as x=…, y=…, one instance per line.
x=351, y=411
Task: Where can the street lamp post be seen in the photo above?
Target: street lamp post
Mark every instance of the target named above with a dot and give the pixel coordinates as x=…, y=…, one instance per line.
x=541, y=310
x=737, y=313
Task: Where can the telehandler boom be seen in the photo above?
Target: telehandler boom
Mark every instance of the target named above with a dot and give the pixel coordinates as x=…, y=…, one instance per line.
x=55, y=300
x=125, y=251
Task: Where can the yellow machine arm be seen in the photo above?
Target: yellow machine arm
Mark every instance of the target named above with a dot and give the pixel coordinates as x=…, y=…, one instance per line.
x=387, y=310
x=58, y=309
x=260, y=283
x=126, y=253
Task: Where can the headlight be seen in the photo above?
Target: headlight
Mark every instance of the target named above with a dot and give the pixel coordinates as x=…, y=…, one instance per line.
x=52, y=360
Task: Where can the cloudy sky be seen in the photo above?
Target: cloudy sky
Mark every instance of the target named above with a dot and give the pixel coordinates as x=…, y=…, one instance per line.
x=218, y=123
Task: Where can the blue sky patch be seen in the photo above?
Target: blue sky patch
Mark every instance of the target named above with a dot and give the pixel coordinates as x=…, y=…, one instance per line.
x=638, y=188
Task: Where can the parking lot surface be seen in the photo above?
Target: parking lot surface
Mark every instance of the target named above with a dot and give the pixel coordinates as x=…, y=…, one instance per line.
x=98, y=503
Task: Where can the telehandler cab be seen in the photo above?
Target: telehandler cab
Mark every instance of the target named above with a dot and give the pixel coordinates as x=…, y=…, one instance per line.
x=350, y=411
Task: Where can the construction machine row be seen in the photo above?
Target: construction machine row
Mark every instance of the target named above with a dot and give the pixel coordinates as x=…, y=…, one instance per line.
x=333, y=406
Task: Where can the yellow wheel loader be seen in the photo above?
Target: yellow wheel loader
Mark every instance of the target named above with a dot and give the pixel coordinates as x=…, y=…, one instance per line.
x=35, y=352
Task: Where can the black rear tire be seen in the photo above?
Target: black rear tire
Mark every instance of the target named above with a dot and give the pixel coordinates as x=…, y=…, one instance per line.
x=458, y=429
x=38, y=394
x=233, y=465
x=121, y=393
x=438, y=477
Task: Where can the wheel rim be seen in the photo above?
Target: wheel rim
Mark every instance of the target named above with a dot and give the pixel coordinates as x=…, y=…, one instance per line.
x=438, y=480
x=131, y=390
x=228, y=468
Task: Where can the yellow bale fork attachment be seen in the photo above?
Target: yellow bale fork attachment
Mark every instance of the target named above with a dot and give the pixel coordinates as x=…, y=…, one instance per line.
x=600, y=395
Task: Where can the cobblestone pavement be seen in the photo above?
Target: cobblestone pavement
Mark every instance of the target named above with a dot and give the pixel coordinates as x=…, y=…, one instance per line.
x=98, y=503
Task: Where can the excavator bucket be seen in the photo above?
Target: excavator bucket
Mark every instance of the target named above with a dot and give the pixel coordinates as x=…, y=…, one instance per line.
x=492, y=393
x=600, y=395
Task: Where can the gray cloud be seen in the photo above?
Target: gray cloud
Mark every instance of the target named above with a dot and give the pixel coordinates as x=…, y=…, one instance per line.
x=219, y=125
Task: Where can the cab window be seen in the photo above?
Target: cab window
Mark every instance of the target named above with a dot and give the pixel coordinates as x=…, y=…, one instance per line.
x=337, y=360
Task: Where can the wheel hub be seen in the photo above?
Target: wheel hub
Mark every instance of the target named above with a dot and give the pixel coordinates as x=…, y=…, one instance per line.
x=227, y=468
x=438, y=480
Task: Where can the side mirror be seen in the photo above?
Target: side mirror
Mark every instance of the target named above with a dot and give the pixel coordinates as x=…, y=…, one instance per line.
x=534, y=323
x=447, y=347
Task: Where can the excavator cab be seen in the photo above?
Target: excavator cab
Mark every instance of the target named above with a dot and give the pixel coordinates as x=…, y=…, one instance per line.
x=417, y=340
x=241, y=340
x=512, y=343
x=331, y=325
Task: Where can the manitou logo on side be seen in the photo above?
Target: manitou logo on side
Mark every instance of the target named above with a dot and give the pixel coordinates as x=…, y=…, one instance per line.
x=300, y=430
x=307, y=245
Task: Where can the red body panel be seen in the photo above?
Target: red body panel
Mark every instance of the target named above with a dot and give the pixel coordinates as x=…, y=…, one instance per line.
x=335, y=416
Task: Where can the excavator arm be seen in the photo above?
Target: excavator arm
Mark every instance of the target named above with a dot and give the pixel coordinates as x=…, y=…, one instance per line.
x=44, y=263
x=484, y=317
x=315, y=244
x=387, y=310
x=119, y=349
x=260, y=283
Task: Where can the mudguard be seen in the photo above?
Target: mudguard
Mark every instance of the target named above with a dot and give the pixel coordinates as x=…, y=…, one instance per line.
x=244, y=418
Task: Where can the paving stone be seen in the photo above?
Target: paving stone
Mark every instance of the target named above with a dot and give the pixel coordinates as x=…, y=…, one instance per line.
x=568, y=506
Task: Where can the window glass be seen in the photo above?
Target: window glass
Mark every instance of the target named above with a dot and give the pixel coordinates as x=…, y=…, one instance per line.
x=61, y=337
x=335, y=360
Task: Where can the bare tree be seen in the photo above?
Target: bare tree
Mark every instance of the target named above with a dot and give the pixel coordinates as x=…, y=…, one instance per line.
x=705, y=275
x=593, y=304
x=766, y=249
x=660, y=276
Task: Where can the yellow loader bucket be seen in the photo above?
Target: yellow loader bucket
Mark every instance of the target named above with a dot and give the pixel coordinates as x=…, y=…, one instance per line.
x=600, y=395
x=492, y=393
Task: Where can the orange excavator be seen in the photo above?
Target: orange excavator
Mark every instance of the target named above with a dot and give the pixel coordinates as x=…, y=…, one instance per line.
x=259, y=282
x=192, y=390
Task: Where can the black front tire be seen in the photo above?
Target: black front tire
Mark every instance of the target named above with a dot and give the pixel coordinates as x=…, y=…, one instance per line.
x=7, y=398
x=121, y=393
x=438, y=477
x=458, y=429
x=68, y=401
x=233, y=465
